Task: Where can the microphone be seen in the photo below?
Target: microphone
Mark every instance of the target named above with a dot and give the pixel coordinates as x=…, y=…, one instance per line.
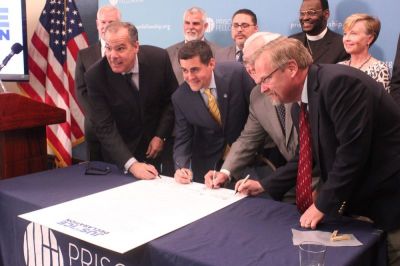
x=16, y=48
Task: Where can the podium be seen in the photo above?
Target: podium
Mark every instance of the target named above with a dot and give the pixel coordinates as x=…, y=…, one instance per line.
x=23, y=121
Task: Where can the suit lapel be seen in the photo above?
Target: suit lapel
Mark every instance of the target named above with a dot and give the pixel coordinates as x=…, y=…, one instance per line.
x=288, y=123
x=313, y=96
x=223, y=93
x=197, y=104
x=324, y=49
x=270, y=109
x=120, y=85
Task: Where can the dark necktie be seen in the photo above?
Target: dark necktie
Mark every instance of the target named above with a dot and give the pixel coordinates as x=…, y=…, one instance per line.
x=280, y=110
x=128, y=77
x=303, y=184
x=240, y=56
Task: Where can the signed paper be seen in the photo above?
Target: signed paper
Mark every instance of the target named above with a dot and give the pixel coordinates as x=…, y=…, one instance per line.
x=128, y=216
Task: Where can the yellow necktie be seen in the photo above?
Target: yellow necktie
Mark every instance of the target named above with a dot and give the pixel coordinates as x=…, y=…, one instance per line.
x=213, y=106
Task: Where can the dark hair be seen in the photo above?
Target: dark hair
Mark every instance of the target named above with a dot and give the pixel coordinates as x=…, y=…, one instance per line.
x=324, y=4
x=195, y=48
x=132, y=31
x=247, y=12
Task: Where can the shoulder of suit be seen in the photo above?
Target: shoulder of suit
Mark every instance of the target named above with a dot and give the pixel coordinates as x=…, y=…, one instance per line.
x=90, y=48
x=149, y=51
x=334, y=34
x=175, y=46
x=97, y=68
x=181, y=91
x=299, y=36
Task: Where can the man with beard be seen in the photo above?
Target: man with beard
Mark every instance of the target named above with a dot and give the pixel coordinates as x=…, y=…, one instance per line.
x=244, y=24
x=324, y=45
x=194, y=25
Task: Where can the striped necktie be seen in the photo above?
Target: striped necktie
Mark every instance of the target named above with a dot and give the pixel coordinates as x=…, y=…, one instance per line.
x=213, y=106
x=303, y=183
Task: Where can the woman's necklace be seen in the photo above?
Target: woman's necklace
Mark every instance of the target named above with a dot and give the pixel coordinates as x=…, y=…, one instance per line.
x=366, y=61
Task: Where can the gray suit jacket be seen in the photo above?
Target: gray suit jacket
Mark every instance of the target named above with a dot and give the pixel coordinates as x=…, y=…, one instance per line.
x=173, y=56
x=226, y=54
x=262, y=125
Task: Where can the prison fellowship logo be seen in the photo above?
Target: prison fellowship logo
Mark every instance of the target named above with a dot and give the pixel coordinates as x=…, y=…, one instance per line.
x=40, y=247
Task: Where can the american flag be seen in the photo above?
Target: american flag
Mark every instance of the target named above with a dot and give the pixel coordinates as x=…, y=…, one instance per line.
x=52, y=57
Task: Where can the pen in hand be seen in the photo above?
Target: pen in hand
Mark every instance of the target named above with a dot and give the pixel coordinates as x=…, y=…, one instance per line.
x=244, y=181
x=213, y=178
x=187, y=172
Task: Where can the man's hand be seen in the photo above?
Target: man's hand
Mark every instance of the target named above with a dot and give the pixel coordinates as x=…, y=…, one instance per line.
x=250, y=187
x=156, y=145
x=143, y=170
x=183, y=176
x=311, y=217
x=214, y=179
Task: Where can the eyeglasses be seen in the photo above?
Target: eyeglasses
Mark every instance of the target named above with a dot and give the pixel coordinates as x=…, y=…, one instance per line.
x=267, y=79
x=243, y=25
x=310, y=12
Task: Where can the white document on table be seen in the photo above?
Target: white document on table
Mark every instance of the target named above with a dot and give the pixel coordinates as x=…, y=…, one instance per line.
x=125, y=217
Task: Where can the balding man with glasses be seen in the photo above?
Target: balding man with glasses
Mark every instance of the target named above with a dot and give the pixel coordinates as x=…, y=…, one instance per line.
x=324, y=45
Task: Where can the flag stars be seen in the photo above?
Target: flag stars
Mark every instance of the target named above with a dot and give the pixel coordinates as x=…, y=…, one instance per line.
x=72, y=21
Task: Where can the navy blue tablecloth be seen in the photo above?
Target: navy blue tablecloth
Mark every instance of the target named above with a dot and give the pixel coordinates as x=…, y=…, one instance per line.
x=253, y=231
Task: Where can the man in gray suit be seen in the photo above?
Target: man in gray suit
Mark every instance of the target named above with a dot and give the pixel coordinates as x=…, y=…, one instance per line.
x=86, y=58
x=244, y=24
x=194, y=26
x=324, y=45
x=264, y=126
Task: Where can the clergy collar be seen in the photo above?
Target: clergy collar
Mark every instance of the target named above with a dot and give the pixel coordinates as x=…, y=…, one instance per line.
x=317, y=37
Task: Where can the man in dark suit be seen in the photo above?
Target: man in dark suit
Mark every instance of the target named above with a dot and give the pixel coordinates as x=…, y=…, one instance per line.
x=324, y=45
x=355, y=139
x=86, y=58
x=395, y=81
x=194, y=26
x=211, y=108
x=129, y=94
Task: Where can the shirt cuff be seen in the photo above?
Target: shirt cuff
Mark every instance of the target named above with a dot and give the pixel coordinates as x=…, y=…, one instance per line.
x=227, y=172
x=129, y=163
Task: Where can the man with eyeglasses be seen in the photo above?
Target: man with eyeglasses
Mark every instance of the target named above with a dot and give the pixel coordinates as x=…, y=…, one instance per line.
x=194, y=26
x=267, y=129
x=244, y=24
x=349, y=127
x=324, y=45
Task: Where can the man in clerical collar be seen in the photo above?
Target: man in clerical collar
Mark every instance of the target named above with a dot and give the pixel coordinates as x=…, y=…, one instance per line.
x=324, y=45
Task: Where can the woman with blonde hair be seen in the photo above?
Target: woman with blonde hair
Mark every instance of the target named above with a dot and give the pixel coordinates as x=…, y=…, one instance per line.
x=360, y=31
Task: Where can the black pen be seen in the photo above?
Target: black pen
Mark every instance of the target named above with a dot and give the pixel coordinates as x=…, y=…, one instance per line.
x=244, y=181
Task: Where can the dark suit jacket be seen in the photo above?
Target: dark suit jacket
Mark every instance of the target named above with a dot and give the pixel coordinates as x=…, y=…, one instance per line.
x=86, y=58
x=355, y=130
x=199, y=138
x=333, y=51
x=395, y=81
x=125, y=123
